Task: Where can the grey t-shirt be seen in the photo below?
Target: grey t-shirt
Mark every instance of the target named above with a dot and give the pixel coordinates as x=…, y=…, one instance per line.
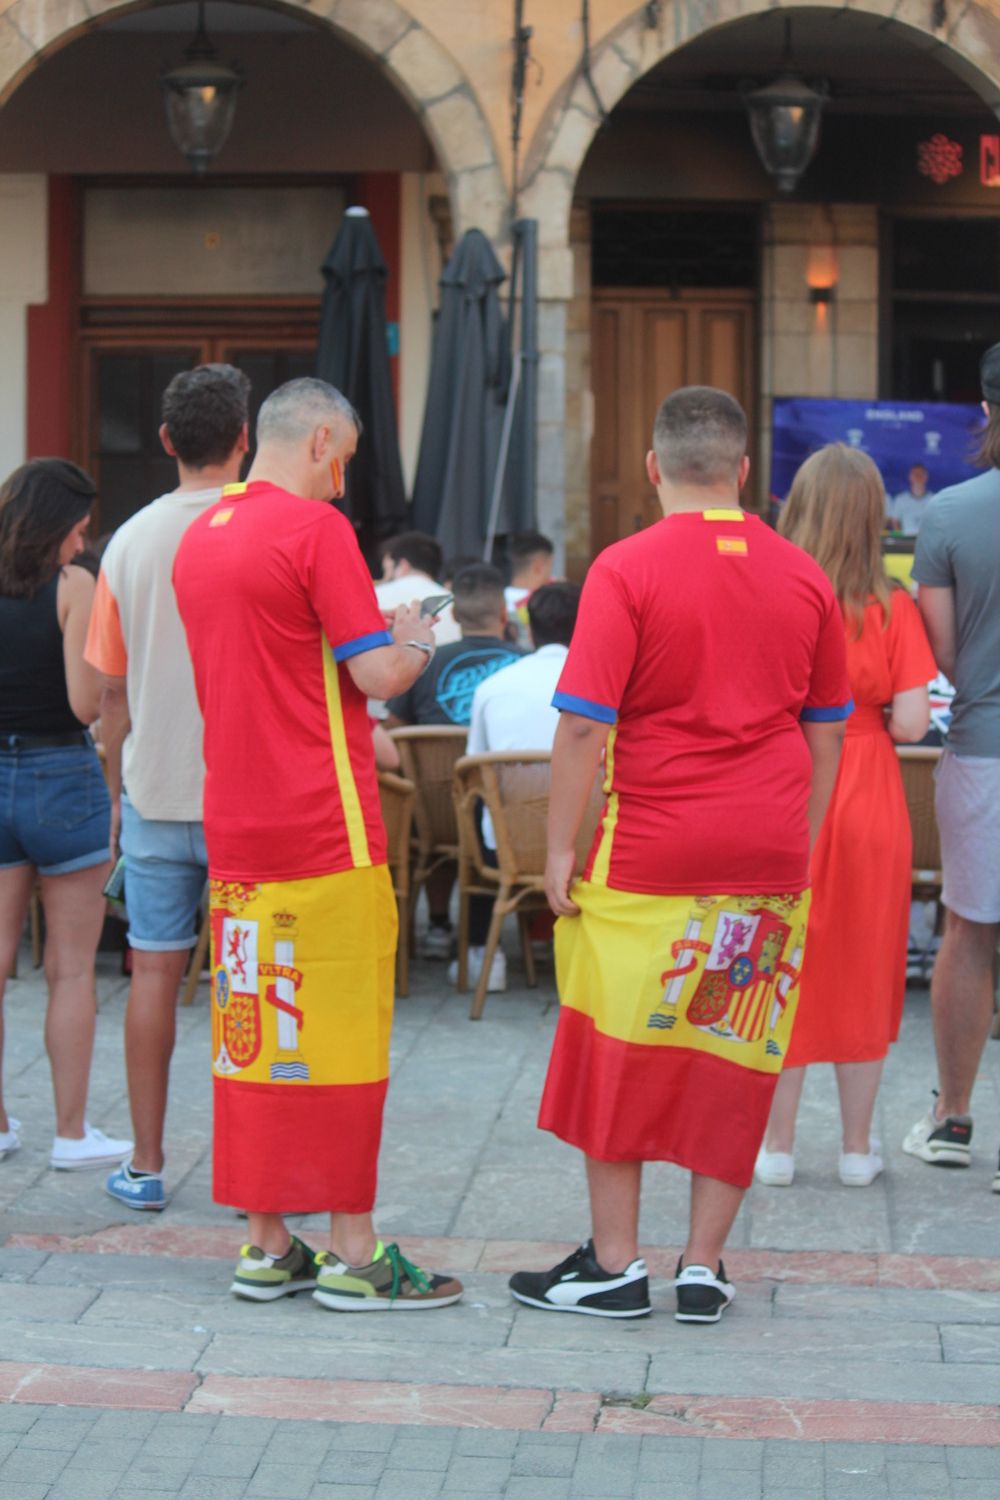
x=959, y=548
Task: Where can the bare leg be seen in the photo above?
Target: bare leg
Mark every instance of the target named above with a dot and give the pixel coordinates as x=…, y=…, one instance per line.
x=614, y=1211
x=962, y=1007
x=74, y=915
x=858, y=1084
x=714, y=1206
x=15, y=894
x=784, y=1111
x=150, y=1028
x=269, y=1233
x=352, y=1238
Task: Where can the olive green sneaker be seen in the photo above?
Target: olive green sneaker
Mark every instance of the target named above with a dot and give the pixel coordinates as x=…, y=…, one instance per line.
x=263, y=1278
x=389, y=1282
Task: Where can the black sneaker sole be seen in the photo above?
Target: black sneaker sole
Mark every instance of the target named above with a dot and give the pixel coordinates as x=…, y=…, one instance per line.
x=590, y=1312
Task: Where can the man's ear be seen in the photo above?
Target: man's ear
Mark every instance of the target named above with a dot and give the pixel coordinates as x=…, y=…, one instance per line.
x=653, y=470
x=743, y=471
x=242, y=444
x=320, y=445
x=164, y=436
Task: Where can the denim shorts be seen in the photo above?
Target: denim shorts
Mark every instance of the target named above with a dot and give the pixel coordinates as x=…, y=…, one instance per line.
x=55, y=812
x=166, y=867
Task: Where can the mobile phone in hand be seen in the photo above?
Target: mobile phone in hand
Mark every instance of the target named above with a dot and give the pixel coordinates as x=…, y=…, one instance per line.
x=114, y=886
x=435, y=604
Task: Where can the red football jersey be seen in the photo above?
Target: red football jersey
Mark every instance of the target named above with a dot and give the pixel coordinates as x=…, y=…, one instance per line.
x=275, y=598
x=704, y=641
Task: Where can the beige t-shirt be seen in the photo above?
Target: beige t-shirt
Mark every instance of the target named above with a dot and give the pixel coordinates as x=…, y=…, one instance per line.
x=136, y=633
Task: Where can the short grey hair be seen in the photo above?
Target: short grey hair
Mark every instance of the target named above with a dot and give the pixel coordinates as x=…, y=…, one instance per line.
x=700, y=436
x=298, y=407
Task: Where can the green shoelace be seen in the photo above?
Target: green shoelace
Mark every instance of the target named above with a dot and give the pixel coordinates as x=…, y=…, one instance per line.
x=402, y=1267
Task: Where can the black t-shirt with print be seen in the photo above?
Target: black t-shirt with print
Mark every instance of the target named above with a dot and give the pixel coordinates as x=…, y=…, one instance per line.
x=443, y=693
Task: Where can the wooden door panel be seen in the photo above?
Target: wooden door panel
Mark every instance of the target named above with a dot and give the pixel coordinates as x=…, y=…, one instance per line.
x=724, y=348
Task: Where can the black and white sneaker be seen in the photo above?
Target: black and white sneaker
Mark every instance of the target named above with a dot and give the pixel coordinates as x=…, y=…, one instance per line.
x=702, y=1294
x=942, y=1143
x=578, y=1284
x=996, y=1177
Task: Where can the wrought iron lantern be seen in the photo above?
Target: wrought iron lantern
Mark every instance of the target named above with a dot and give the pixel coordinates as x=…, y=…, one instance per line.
x=784, y=121
x=200, y=95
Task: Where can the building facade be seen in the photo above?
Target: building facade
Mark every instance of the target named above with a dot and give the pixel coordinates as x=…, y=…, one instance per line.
x=667, y=254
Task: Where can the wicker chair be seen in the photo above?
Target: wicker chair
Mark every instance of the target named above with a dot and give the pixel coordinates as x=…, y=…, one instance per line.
x=917, y=764
x=427, y=754
x=397, y=796
x=514, y=786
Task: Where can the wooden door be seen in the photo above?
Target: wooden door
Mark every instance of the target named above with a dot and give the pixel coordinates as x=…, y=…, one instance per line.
x=644, y=345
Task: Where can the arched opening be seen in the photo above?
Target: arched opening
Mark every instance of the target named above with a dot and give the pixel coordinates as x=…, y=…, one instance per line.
x=132, y=267
x=690, y=265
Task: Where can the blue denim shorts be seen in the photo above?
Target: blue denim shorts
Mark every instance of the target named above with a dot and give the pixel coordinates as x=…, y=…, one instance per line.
x=55, y=812
x=166, y=867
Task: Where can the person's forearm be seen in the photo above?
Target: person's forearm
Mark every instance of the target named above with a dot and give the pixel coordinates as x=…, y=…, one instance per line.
x=576, y=755
x=825, y=752
x=115, y=725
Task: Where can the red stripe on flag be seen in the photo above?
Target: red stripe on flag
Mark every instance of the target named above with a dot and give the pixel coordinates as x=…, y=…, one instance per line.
x=297, y=1148
x=625, y=1101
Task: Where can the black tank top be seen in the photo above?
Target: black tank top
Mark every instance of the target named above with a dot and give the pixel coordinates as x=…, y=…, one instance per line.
x=33, y=696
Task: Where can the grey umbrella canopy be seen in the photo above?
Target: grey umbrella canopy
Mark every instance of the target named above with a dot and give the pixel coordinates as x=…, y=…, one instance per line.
x=353, y=355
x=470, y=366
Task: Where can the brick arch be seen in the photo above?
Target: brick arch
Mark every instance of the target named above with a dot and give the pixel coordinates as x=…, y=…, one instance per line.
x=420, y=66
x=970, y=45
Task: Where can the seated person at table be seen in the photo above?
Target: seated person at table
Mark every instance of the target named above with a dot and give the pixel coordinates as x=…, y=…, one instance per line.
x=412, y=565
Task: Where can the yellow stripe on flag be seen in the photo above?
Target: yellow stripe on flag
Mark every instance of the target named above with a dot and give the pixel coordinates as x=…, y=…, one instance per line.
x=353, y=816
x=602, y=859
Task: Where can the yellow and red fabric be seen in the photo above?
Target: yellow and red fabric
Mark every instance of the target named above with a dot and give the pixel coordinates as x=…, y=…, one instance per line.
x=705, y=641
x=276, y=598
x=675, y=1018
x=302, y=999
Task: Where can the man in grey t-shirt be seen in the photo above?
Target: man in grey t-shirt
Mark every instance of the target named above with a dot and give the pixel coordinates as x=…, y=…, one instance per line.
x=957, y=565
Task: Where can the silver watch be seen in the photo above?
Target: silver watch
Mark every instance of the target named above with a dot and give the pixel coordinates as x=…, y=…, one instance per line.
x=424, y=646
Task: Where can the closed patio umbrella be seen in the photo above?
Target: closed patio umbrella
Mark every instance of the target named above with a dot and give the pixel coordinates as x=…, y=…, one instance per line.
x=470, y=366
x=353, y=355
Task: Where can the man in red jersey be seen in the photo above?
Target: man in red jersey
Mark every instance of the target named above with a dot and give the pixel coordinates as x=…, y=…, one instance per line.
x=708, y=666
x=288, y=644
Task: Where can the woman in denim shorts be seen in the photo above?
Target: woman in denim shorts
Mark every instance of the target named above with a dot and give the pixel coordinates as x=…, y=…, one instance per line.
x=54, y=808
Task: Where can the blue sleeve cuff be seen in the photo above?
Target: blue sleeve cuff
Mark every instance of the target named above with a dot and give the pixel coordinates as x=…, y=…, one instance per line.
x=362, y=643
x=827, y=715
x=585, y=708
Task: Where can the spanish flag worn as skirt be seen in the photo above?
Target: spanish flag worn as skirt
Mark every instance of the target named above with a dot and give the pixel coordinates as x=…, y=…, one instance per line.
x=302, y=994
x=676, y=1012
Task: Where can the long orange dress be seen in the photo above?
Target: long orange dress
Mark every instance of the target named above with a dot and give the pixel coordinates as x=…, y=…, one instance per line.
x=854, y=972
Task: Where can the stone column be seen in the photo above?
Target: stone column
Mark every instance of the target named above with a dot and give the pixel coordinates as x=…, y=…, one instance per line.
x=24, y=262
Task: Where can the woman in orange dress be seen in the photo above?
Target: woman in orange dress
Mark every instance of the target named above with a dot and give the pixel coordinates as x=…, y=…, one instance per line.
x=854, y=972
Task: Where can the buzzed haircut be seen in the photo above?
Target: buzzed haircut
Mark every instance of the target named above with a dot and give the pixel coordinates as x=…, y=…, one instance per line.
x=700, y=436
x=525, y=545
x=298, y=407
x=204, y=411
x=552, y=612
x=479, y=596
x=418, y=549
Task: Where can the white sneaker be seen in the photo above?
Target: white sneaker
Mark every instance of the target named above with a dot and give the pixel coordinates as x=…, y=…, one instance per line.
x=437, y=942
x=10, y=1140
x=498, y=970
x=95, y=1149
x=860, y=1168
x=775, y=1168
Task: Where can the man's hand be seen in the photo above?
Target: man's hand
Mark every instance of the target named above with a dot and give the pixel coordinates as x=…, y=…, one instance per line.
x=560, y=869
x=408, y=624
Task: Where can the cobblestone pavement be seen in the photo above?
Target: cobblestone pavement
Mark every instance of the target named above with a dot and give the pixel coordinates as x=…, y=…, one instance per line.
x=861, y=1359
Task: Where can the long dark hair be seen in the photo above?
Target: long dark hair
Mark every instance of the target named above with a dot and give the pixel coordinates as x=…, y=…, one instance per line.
x=988, y=452
x=40, y=503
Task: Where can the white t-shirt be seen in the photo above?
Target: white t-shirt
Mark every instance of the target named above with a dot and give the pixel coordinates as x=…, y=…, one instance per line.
x=512, y=710
x=418, y=586
x=136, y=633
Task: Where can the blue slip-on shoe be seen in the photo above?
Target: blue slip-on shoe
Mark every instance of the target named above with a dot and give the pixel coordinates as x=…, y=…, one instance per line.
x=140, y=1190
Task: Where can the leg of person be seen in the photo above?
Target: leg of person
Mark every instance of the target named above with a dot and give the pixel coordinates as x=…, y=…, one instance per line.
x=606, y=1277
x=16, y=882
x=860, y=1157
x=703, y=1293
x=962, y=1011
x=439, y=938
x=361, y=1274
x=74, y=915
x=776, y=1158
x=275, y=1263
x=165, y=873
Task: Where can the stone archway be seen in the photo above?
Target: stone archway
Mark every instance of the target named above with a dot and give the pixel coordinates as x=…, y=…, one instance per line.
x=968, y=42
x=420, y=66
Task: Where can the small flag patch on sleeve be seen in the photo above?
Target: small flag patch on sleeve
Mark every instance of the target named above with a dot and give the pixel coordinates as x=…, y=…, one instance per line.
x=221, y=517
x=734, y=545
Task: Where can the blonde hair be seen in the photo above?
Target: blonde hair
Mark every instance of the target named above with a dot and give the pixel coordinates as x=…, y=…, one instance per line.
x=835, y=511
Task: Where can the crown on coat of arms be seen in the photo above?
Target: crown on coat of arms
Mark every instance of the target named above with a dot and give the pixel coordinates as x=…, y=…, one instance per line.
x=284, y=921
